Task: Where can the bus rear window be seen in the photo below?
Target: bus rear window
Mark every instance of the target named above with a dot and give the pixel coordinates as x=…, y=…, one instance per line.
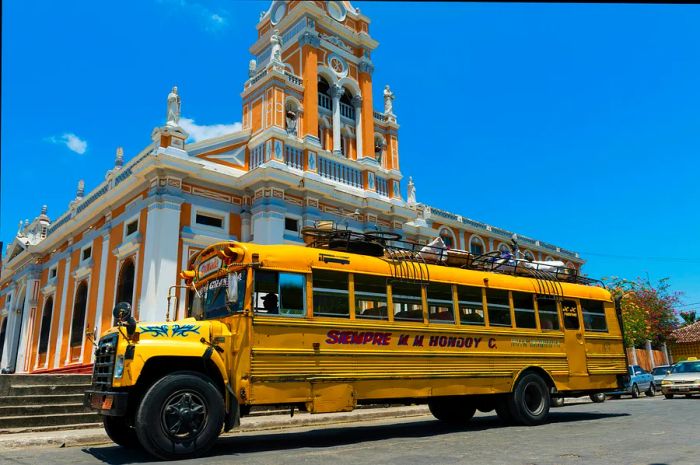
x=440, y=307
x=331, y=293
x=498, y=307
x=471, y=305
x=370, y=297
x=524, y=305
x=593, y=315
x=549, y=316
x=408, y=301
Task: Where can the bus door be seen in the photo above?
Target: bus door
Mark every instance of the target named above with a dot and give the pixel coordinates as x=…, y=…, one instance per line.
x=573, y=338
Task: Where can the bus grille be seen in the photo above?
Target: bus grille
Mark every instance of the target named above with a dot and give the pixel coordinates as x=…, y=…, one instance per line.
x=104, y=362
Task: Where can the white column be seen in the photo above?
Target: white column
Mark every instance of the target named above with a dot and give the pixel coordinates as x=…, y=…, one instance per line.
x=62, y=312
x=245, y=226
x=336, y=92
x=650, y=353
x=29, y=306
x=665, y=350
x=6, y=361
x=268, y=227
x=357, y=103
x=634, y=356
x=99, y=312
x=160, y=264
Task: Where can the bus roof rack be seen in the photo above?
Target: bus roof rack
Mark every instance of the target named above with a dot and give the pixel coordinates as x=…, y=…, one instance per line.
x=409, y=259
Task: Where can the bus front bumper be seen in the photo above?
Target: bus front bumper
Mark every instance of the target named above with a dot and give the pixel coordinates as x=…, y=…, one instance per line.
x=107, y=403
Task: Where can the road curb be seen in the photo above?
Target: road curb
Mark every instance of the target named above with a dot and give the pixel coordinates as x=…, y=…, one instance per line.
x=86, y=437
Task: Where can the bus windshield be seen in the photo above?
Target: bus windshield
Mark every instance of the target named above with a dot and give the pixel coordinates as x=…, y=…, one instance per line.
x=220, y=297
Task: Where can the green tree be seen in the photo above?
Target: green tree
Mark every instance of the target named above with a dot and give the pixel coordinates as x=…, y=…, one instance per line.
x=689, y=317
x=647, y=310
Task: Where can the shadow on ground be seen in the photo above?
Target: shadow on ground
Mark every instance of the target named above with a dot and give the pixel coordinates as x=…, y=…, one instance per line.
x=324, y=436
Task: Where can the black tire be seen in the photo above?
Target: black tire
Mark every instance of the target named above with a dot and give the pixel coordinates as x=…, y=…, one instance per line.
x=120, y=432
x=503, y=411
x=556, y=402
x=668, y=396
x=598, y=397
x=651, y=392
x=529, y=403
x=635, y=391
x=454, y=410
x=180, y=416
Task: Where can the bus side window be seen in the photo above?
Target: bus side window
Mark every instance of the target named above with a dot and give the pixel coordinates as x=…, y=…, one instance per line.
x=292, y=287
x=265, y=295
x=279, y=293
x=568, y=309
x=549, y=317
x=471, y=305
x=408, y=302
x=498, y=306
x=593, y=315
x=524, y=310
x=440, y=303
x=331, y=297
x=370, y=297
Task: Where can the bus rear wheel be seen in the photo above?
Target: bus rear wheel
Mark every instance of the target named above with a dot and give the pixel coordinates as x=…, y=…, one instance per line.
x=456, y=410
x=529, y=402
x=180, y=416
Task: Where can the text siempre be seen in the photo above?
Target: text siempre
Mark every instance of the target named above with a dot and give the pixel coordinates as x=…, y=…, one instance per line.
x=335, y=336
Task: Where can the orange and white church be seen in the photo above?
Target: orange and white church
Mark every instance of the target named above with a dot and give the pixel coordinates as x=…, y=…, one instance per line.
x=314, y=145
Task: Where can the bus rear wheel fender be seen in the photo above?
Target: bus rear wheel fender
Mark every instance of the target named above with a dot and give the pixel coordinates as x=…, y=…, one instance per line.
x=530, y=400
x=454, y=410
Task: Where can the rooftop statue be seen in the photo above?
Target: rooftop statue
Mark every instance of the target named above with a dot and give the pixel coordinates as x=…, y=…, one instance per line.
x=388, y=101
x=173, y=118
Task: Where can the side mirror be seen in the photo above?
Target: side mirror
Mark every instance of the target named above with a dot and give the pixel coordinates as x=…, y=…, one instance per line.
x=122, y=313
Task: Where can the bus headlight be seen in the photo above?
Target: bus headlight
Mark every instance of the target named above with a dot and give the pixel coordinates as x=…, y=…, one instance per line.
x=119, y=366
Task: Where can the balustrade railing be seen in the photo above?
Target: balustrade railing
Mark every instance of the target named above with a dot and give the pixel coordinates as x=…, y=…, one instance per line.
x=296, y=80
x=324, y=101
x=339, y=172
x=382, y=187
x=347, y=111
x=257, y=156
x=379, y=116
x=294, y=157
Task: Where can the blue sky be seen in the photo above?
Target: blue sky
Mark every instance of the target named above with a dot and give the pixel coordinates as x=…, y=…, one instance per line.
x=576, y=124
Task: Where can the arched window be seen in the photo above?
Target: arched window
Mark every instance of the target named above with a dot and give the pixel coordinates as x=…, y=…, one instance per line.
x=529, y=256
x=346, y=108
x=476, y=245
x=78, y=323
x=379, y=146
x=448, y=238
x=324, y=94
x=504, y=248
x=3, y=328
x=45, y=326
x=125, y=284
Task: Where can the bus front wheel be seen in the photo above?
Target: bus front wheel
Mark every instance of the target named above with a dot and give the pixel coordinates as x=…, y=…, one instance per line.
x=452, y=410
x=180, y=416
x=529, y=402
x=120, y=432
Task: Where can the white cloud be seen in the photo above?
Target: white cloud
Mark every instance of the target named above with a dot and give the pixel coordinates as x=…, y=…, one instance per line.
x=201, y=132
x=212, y=20
x=70, y=140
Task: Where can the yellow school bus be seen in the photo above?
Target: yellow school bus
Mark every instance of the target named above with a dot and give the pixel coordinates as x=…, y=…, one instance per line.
x=352, y=319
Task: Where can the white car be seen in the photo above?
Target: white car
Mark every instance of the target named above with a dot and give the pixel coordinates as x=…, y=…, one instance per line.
x=684, y=379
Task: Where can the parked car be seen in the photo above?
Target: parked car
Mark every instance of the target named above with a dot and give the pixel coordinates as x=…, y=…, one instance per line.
x=684, y=379
x=660, y=373
x=640, y=381
x=597, y=398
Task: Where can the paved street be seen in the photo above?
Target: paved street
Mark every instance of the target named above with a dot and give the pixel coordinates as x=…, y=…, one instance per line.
x=630, y=432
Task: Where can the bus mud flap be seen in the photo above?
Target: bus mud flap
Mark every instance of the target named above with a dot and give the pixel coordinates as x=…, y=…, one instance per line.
x=233, y=414
x=331, y=397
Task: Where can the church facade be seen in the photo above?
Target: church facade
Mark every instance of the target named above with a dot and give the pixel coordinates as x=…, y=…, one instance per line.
x=313, y=147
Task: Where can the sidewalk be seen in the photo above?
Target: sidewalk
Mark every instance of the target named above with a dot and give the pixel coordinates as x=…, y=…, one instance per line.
x=92, y=436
